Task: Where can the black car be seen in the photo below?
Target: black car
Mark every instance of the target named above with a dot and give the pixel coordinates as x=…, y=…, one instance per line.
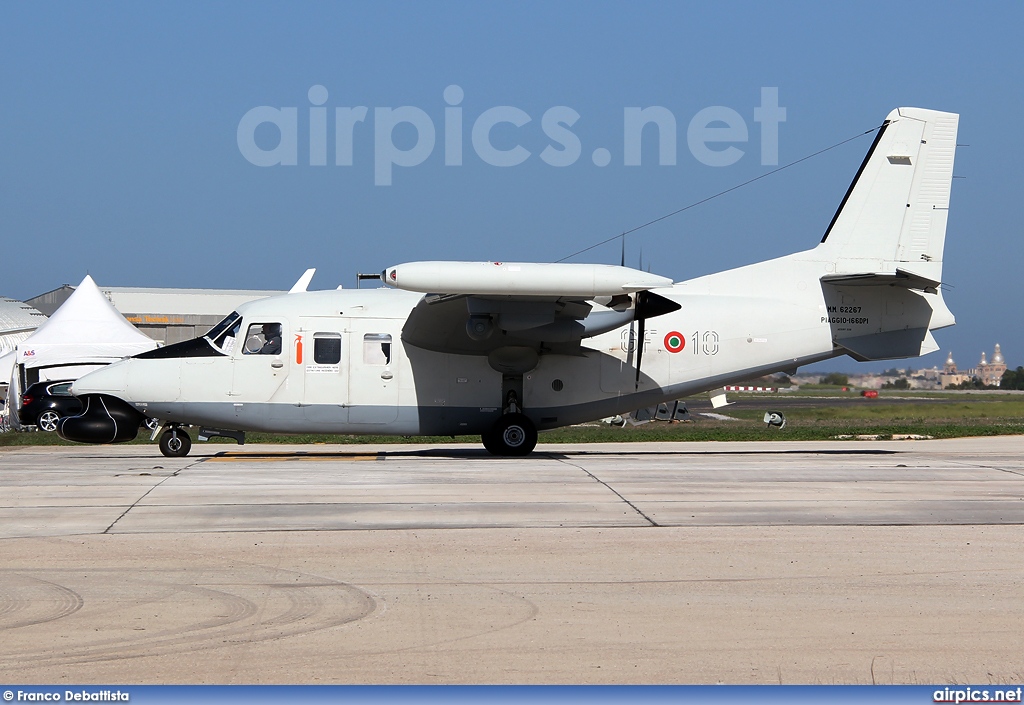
x=43, y=403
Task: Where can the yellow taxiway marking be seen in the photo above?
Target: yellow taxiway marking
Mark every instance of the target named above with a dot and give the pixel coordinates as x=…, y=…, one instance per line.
x=290, y=457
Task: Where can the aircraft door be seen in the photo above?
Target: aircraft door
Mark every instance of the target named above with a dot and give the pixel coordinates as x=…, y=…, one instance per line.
x=373, y=372
x=260, y=368
x=325, y=402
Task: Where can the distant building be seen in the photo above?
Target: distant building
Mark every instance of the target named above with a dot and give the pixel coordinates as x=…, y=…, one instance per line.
x=17, y=322
x=166, y=315
x=992, y=372
x=988, y=373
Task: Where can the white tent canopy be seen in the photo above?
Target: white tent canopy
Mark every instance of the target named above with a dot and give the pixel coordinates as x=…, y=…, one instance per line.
x=6, y=373
x=84, y=334
x=86, y=329
x=7, y=366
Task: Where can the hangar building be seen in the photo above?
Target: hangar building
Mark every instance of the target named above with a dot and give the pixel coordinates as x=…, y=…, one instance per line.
x=17, y=321
x=166, y=315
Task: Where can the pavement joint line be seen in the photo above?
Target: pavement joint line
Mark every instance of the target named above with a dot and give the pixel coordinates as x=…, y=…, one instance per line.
x=146, y=493
x=602, y=482
x=288, y=457
x=990, y=467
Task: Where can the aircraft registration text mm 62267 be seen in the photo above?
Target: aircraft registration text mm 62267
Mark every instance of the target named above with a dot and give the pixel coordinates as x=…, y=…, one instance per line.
x=506, y=349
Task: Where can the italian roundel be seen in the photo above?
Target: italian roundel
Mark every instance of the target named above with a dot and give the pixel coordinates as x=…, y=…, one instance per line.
x=675, y=342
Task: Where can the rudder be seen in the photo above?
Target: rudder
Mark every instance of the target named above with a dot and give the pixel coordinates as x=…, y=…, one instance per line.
x=892, y=221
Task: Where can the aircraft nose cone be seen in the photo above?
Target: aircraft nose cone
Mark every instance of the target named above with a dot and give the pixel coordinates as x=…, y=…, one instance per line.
x=111, y=379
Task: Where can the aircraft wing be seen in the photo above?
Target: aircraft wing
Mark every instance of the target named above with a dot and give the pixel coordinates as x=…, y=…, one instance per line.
x=474, y=308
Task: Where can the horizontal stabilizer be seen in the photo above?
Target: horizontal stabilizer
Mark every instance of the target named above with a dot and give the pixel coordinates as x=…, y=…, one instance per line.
x=901, y=277
x=890, y=345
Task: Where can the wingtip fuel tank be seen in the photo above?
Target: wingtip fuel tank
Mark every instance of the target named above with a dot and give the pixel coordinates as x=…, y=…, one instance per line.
x=521, y=279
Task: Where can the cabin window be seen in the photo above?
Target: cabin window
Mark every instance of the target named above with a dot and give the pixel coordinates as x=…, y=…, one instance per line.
x=263, y=339
x=377, y=349
x=326, y=348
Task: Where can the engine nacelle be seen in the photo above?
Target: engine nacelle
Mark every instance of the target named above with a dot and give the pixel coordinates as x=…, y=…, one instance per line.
x=105, y=419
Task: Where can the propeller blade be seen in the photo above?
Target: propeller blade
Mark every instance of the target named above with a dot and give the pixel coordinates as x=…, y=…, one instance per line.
x=641, y=318
x=639, y=350
x=622, y=259
x=648, y=305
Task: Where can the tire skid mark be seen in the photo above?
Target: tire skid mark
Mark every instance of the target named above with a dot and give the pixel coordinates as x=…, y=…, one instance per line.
x=10, y=604
x=229, y=615
x=532, y=610
x=229, y=610
x=34, y=601
x=304, y=605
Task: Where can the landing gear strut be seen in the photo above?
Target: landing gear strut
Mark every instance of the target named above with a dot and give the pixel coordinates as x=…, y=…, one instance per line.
x=175, y=443
x=514, y=433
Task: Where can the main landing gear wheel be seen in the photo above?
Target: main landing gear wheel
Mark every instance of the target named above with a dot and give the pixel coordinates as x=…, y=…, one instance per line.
x=490, y=440
x=512, y=434
x=47, y=421
x=175, y=443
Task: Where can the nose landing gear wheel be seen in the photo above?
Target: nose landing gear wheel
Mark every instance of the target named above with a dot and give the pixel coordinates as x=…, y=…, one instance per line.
x=175, y=443
x=512, y=434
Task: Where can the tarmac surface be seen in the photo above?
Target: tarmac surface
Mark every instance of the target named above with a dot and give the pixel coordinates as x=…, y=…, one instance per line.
x=806, y=562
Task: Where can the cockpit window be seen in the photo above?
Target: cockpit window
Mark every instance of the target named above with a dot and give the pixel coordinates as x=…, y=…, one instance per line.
x=224, y=334
x=263, y=339
x=223, y=325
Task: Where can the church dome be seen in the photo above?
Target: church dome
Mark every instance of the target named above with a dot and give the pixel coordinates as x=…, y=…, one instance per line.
x=949, y=359
x=997, y=356
x=983, y=360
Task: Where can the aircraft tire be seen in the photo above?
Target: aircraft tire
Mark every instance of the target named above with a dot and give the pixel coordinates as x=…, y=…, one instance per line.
x=512, y=434
x=175, y=443
x=490, y=441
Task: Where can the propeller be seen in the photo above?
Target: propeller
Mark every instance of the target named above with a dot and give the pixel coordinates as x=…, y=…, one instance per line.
x=648, y=305
x=641, y=318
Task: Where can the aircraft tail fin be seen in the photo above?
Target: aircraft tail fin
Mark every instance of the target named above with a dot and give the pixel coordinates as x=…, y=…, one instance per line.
x=883, y=248
x=891, y=225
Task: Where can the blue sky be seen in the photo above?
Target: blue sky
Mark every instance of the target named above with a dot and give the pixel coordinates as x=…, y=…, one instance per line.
x=121, y=155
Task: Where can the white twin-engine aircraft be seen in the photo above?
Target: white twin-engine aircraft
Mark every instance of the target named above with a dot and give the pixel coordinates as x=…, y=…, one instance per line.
x=504, y=350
